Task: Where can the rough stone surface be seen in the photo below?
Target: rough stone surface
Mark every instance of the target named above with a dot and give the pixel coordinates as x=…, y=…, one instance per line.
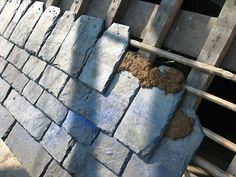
x=32, y=91
x=52, y=107
x=29, y=152
x=2, y=64
x=106, y=111
x=78, y=44
x=171, y=157
x=20, y=12
x=56, y=141
x=4, y=89
x=105, y=57
x=18, y=57
x=54, y=170
x=7, y=14
x=34, y=67
x=5, y=47
x=109, y=152
x=43, y=29
x=2, y=4
x=74, y=94
x=33, y=120
x=26, y=24
x=14, y=77
x=6, y=120
x=145, y=121
x=80, y=128
x=53, y=79
x=58, y=35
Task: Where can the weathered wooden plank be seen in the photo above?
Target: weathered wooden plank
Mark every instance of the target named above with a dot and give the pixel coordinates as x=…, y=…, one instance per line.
x=213, y=51
x=49, y=3
x=98, y=8
x=77, y=6
x=160, y=23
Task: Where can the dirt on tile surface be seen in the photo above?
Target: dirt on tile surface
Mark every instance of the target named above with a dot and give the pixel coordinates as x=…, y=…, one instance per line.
x=180, y=126
x=150, y=76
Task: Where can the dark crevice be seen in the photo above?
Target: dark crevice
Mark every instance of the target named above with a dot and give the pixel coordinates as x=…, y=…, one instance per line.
x=45, y=168
x=8, y=131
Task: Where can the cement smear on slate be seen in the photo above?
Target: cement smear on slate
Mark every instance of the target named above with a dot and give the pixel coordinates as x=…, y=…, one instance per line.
x=150, y=76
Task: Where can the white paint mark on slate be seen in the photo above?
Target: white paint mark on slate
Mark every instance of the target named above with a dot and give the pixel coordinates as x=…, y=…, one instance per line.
x=43, y=29
x=105, y=57
x=7, y=14
x=20, y=12
x=26, y=24
x=78, y=44
x=58, y=35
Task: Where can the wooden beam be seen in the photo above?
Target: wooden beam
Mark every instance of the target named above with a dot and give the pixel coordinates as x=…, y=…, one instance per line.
x=49, y=3
x=79, y=6
x=160, y=23
x=115, y=11
x=213, y=52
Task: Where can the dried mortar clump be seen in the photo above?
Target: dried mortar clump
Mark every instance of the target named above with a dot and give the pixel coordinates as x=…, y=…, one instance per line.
x=180, y=126
x=150, y=76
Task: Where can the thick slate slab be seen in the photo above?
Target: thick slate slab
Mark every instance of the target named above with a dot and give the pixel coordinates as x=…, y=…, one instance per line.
x=145, y=121
x=3, y=64
x=171, y=157
x=43, y=29
x=2, y=4
x=6, y=120
x=78, y=44
x=109, y=152
x=54, y=109
x=53, y=79
x=30, y=153
x=4, y=89
x=56, y=141
x=80, y=128
x=7, y=14
x=106, y=111
x=58, y=35
x=14, y=77
x=5, y=47
x=20, y=12
x=18, y=57
x=34, y=67
x=26, y=24
x=74, y=94
x=54, y=170
x=105, y=57
x=32, y=91
x=33, y=120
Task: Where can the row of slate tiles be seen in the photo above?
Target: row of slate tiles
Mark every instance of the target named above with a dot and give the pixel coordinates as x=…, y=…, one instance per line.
x=105, y=115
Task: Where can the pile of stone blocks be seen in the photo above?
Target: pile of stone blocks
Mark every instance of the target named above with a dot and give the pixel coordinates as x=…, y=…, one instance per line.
x=66, y=110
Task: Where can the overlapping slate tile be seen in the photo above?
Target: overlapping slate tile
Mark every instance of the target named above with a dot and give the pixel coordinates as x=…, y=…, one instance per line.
x=4, y=89
x=52, y=107
x=54, y=170
x=6, y=120
x=105, y=57
x=18, y=57
x=53, y=79
x=2, y=4
x=20, y=12
x=7, y=14
x=14, y=77
x=3, y=64
x=56, y=141
x=32, y=91
x=171, y=157
x=26, y=24
x=30, y=153
x=80, y=128
x=43, y=29
x=5, y=47
x=58, y=35
x=109, y=152
x=74, y=94
x=33, y=120
x=145, y=121
x=106, y=111
x=78, y=44
x=34, y=67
